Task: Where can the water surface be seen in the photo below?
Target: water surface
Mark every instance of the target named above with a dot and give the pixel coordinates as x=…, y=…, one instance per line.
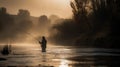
x=61, y=56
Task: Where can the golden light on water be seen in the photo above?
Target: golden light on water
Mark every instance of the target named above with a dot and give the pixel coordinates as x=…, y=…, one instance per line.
x=64, y=63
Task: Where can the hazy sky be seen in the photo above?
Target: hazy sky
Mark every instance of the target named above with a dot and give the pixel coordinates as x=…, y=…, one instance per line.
x=39, y=7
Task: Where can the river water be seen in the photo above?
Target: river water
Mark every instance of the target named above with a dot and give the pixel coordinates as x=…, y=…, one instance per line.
x=61, y=56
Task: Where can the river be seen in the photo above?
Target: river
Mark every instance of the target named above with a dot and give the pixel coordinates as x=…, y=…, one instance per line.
x=62, y=56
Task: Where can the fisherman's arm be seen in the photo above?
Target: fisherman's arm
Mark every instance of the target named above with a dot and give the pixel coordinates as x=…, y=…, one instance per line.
x=40, y=42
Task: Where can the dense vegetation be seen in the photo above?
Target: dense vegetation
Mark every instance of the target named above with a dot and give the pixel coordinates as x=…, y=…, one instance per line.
x=95, y=23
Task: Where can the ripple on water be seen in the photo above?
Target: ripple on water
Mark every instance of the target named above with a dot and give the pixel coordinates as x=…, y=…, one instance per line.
x=63, y=57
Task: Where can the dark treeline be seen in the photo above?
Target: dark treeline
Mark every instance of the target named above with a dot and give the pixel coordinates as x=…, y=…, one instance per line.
x=95, y=23
x=17, y=28
x=13, y=26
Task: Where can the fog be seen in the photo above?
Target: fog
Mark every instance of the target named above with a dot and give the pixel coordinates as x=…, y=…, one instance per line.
x=21, y=27
x=91, y=26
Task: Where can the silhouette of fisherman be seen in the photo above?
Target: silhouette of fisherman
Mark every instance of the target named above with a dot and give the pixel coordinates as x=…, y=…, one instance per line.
x=43, y=44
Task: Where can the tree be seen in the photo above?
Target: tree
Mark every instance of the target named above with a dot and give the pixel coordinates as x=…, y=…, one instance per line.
x=80, y=12
x=107, y=12
x=23, y=14
x=43, y=22
x=6, y=25
x=3, y=10
x=24, y=22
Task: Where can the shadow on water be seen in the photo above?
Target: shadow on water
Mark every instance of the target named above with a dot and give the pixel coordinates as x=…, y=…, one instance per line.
x=95, y=57
x=107, y=58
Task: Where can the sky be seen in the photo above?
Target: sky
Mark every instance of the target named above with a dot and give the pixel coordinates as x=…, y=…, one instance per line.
x=39, y=7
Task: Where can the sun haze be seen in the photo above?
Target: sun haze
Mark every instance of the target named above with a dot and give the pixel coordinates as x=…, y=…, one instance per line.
x=39, y=7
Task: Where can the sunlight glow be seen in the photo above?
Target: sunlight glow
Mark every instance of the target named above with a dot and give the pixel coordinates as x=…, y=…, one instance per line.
x=61, y=1
x=64, y=63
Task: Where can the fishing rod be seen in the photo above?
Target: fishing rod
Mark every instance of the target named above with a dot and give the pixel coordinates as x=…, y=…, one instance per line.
x=31, y=35
x=36, y=39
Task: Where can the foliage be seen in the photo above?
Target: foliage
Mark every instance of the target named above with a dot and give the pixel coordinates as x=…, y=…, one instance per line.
x=95, y=23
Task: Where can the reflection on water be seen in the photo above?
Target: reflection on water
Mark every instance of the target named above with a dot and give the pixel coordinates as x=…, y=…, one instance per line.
x=63, y=63
x=62, y=57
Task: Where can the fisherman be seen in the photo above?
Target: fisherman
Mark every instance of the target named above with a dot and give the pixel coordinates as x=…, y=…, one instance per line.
x=43, y=44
